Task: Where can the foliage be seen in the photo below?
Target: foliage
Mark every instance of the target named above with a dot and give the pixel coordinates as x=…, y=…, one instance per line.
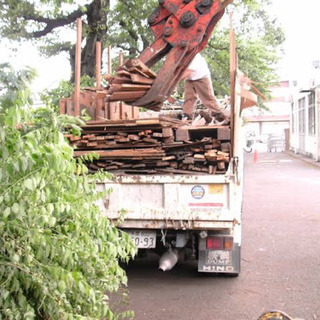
x=14, y=89
x=42, y=22
x=258, y=38
x=59, y=257
x=128, y=27
x=64, y=90
x=124, y=26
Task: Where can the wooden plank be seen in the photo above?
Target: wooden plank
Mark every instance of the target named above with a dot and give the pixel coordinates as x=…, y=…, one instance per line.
x=157, y=135
x=124, y=153
x=92, y=144
x=121, y=80
x=182, y=134
x=128, y=87
x=147, y=121
x=135, y=70
x=139, y=64
x=126, y=95
x=138, y=78
x=224, y=133
x=124, y=73
x=212, y=169
x=199, y=156
x=168, y=158
x=221, y=165
x=167, y=132
x=134, y=137
x=226, y=147
x=74, y=138
x=188, y=160
x=150, y=140
x=62, y=105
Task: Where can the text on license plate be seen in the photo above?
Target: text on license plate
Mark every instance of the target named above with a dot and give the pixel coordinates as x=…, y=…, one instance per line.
x=143, y=239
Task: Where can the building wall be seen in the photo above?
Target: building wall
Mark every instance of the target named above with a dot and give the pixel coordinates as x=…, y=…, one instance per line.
x=275, y=120
x=304, y=123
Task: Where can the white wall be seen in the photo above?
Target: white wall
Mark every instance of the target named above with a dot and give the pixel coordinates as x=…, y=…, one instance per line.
x=307, y=144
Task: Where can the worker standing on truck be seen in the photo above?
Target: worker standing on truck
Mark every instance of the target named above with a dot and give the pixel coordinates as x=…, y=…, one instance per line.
x=198, y=83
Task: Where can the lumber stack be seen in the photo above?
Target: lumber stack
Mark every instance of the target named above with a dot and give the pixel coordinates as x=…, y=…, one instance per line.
x=154, y=146
x=131, y=82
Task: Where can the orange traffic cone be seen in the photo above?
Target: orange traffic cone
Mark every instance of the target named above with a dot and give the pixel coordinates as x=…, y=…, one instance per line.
x=255, y=156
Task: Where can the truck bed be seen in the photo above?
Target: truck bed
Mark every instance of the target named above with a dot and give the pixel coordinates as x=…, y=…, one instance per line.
x=180, y=202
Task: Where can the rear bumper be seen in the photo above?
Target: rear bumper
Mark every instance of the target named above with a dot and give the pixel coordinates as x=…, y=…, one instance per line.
x=177, y=224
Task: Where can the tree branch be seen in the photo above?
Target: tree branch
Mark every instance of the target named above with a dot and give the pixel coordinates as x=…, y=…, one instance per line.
x=132, y=33
x=217, y=47
x=53, y=23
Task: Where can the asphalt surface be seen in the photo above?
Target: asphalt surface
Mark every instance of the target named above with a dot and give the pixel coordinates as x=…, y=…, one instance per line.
x=280, y=255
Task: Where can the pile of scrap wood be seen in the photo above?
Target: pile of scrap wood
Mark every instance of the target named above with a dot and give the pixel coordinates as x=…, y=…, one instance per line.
x=131, y=82
x=154, y=146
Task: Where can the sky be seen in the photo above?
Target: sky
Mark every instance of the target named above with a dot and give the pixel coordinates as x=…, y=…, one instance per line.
x=300, y=21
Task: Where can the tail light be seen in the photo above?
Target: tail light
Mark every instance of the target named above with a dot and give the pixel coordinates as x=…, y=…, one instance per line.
x=219, y=243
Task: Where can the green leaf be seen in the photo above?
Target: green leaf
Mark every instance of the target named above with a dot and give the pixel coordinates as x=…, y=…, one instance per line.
x=50, y=208
x=15, y=258
x=62, y=286
x=15, y=208
x=6, y=212
x=28, y=183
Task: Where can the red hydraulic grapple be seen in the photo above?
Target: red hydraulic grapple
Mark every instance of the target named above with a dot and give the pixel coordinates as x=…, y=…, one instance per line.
x=182, y=29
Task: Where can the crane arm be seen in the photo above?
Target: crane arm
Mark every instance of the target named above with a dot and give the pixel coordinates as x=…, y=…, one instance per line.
x=181, y=29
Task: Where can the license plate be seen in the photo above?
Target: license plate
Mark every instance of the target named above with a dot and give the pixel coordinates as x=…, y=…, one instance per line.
x=143, y=239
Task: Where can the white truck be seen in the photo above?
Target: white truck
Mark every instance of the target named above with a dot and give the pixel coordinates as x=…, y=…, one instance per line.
x=195, y=215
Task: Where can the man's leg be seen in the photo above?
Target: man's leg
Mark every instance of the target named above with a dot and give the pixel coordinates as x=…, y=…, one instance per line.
x=190, y=98
x=204, y=89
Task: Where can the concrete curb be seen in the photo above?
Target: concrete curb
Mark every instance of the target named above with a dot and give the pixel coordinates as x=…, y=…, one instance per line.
x=303, y=158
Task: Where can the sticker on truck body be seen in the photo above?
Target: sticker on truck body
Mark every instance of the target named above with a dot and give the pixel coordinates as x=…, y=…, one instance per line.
x=208, y=196
x=197, y=192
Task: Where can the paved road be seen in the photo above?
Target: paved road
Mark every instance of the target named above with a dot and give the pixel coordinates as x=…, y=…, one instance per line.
x=280, y=255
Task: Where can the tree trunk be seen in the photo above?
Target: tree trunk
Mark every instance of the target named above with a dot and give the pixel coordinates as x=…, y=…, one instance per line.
x=95, y=30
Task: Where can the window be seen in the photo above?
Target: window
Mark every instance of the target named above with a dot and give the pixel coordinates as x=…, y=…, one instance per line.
x=302, y=116
x=312, y=114
x=293, y=120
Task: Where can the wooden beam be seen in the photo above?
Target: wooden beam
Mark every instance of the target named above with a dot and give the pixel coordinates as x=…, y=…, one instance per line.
x=98, y=64
x=78, y=69
x=233, y=75
x=120, y=103
x=109, y=60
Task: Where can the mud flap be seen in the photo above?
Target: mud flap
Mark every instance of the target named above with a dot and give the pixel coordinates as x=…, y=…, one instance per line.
x=219, y=261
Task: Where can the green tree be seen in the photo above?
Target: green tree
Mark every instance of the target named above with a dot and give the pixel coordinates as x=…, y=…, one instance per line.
x=128, y=26
x=59, y=257
x=42, y=22
x=125, y=27
x=259, y=39
x=14, y=86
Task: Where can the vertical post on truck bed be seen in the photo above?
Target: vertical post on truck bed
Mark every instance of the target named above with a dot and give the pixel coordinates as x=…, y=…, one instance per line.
x=120, y=103
x=108, y=104
x=233, y=72
x=78, y=69
x=98, y=102
x=98, y=64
